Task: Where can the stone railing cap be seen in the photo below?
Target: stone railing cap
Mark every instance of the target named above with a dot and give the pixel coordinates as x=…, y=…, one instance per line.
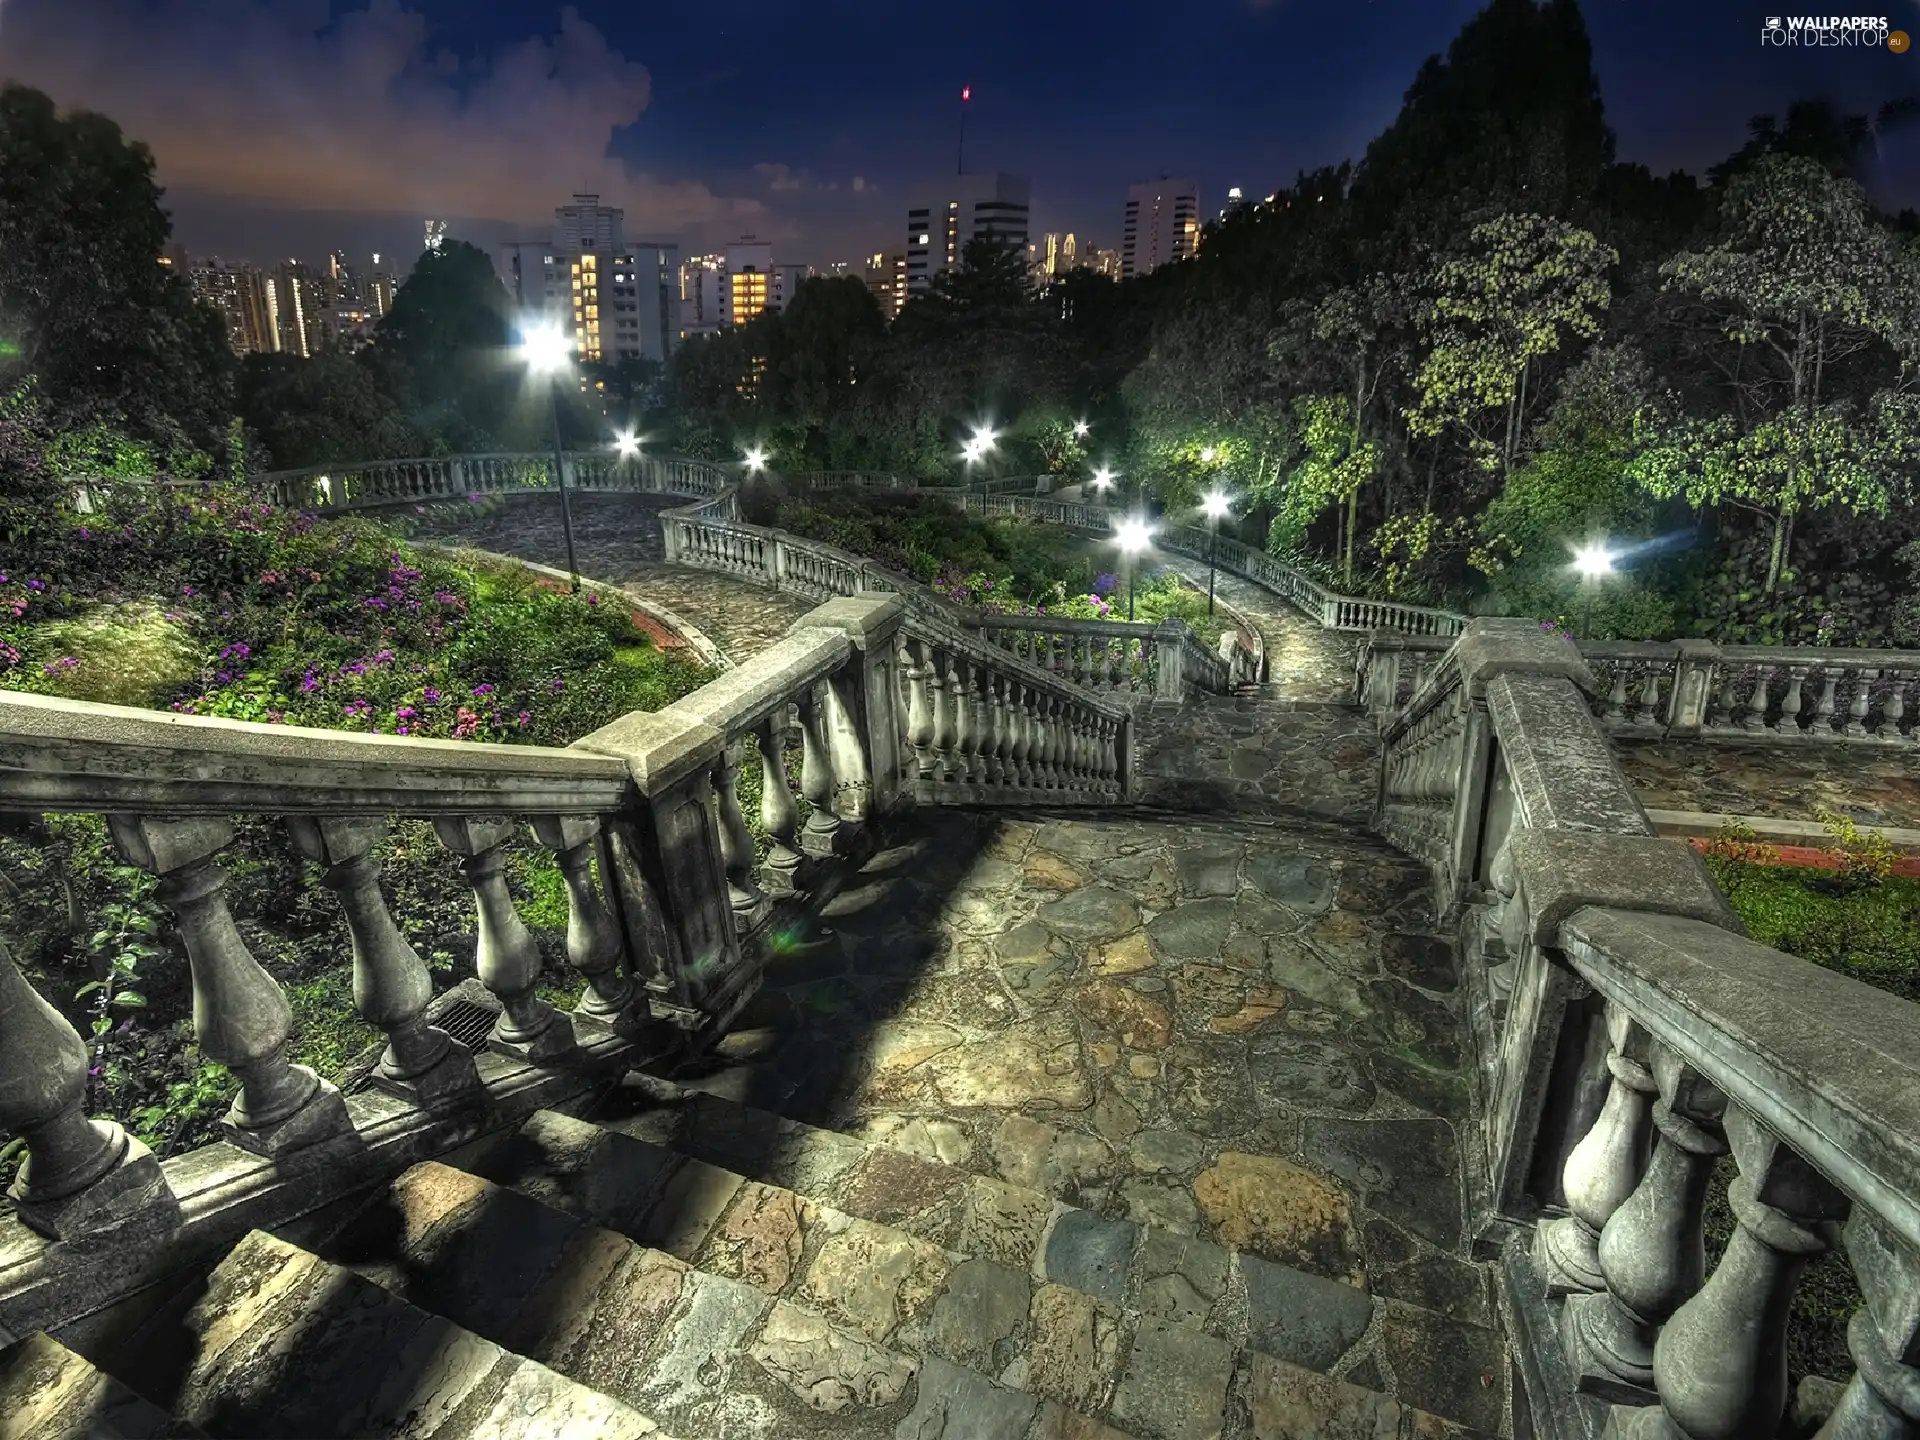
x=861, y=618
x=660, y=749
x=1564, y=871
x=1492, y=646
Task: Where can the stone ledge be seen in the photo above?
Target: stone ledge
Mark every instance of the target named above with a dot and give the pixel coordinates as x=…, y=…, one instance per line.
x=1492, y=647
x=1563, y=871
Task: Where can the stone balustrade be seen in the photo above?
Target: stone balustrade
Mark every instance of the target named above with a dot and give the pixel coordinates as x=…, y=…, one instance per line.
x=668, y=897
x=1628, y=1036
x=1695, y=689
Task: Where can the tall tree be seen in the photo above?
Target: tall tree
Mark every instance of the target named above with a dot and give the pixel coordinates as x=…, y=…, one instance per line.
x=327, y=409
x=443, y=353
x=86, y=306
x=1801, y=280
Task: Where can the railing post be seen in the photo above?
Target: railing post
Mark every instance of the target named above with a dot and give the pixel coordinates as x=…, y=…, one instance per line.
x=391, y=987
x=1882, y=1401
x=593, y=940
x=820, y=837
x=1170, y=687
x=84, y=1181
x=1651, y=1252
x=669, y=870
x=505, y=954
x=869, y=692
x=1720, y=1365
x=240, y=1016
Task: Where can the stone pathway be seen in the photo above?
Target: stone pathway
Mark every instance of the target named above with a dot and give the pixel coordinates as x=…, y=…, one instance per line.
x=1779, y=782
x=1239, y=1034
x=1250, y=755
x=617, y=540
x=1304, y=661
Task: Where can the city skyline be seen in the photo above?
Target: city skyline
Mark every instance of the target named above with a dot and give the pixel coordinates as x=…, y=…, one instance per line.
x=360, y=121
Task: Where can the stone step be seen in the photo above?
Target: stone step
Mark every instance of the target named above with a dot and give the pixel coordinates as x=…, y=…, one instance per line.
x=49, y=1393
x=763, y=1336
x=281, y=1343
x=1071, y=1308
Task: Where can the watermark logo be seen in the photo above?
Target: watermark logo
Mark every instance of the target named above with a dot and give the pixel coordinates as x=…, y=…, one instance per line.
x=1853, y=32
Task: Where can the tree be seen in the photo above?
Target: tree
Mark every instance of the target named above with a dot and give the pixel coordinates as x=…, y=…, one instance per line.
x=442, y=353
x=818, y=346
x=111, y=335
x=323, y=410
x=1801, y=280
x=1524, y=286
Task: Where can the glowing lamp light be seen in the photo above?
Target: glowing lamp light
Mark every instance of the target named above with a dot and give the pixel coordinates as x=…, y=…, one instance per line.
x=1080, y=428
x=1216, y=505
x=985, y=436
x=1206, y=455
x=1102, y=478
x=1593, y=561
x=627, y=443
x=756, y=459
x=546, y=350
x=1133, y=536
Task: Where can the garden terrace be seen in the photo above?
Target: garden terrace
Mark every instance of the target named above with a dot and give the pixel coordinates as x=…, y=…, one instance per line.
x=1154, y=1063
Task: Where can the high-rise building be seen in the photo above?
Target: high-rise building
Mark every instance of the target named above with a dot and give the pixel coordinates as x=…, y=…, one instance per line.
x=947, y=217
x=748, y=286
x=887, y=278
x=380, y=288
x=700, y=307
x=299, y=309
x=1163, y=225
x=238, y=292
x=1101, y=262
x=436, y=232
x=1235, y=201
x=787, y=280
x=1060, y=253
x=619, y=301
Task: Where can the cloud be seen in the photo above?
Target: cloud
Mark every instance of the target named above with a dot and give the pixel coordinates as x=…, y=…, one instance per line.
x=287, y=103
x=860, y=186
x=780, y=177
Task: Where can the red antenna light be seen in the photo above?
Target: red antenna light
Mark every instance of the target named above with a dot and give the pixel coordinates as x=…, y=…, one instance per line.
x=966, y=92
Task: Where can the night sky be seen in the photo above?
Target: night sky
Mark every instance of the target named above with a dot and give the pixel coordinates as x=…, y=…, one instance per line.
x=287, y=127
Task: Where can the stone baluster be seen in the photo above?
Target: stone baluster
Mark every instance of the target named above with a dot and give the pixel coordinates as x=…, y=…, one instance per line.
x=918, y=677
x=1791, y=702
x=391, y=986
x=505, y=957
x=83, y=1181
x=1119, y=664
x=779, y=815
x=1076, y=749
x=1047, y=757
x=1720, y=1364
x=593, y=938
x=1651, y=1251
x=966, y=718
x=1894, y=710
x=1756, y=714
x=819, y=838
x=1721, y=714
x=748, y=901
x=1604, y=1168
x=1019, y=764
x=941, y=703
x=1617, y=695
x=1882, y=1400
x=1648, y=712
x=1823, y=715
x=240, y=1016
x=994, y=739
x=1863, y=682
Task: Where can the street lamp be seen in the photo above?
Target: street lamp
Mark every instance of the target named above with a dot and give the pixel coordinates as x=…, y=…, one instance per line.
x=1080, y=429
x=627, y=445
x=1102, y=482
x=1594, y=563
x=1133, y=537
x=976, y=450
x=1216, y=505
x=756, y=458
x=548, y=351
x=1207, y=454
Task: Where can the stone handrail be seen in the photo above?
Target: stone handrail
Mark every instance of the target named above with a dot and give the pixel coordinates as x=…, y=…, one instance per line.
x=667, y=897
x=1696, y=689
x=1628, y=1033
x=709, y=535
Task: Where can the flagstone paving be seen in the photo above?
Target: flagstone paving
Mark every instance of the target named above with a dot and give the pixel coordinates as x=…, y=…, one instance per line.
x=1873, y=786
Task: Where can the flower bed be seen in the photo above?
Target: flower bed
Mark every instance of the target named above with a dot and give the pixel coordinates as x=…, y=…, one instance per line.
x=214, y=604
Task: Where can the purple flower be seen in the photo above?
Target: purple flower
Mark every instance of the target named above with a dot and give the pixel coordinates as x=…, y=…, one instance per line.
x=525, y=716
x=1105, y=584
x=36, y=584
x=483, y=690
x=406, y=712
x=558, y=685
x=430, y=696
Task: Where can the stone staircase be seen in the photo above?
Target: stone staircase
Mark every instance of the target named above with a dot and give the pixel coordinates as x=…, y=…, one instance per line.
x=690, y=1267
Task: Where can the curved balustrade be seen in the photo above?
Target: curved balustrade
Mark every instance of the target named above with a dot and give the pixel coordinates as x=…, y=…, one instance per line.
x=1628, y=1036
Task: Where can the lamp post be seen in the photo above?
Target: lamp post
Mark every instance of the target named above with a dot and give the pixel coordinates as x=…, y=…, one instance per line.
x=1080, y=429
x=975, y=450
x=547, y=352
x=1216, y=505
x=1102, y=482
x=1133, y=537
x=1595, y=563
x=756, y=458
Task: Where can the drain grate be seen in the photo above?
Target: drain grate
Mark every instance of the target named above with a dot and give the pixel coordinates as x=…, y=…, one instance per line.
x=466, y=1012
